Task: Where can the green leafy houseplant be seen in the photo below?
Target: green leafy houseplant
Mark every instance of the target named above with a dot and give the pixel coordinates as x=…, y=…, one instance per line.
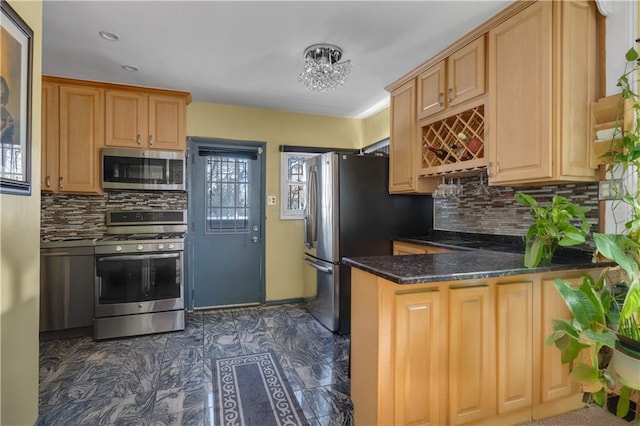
x=552, y=227
x=606, y=316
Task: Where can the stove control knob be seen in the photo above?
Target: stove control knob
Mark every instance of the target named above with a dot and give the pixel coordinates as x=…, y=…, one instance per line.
x=140, y=247
x=171, y=246
x=118, y=248
x=160, y=246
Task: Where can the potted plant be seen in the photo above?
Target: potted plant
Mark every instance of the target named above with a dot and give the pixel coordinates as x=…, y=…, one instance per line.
x=552, y=226
x=606, y=312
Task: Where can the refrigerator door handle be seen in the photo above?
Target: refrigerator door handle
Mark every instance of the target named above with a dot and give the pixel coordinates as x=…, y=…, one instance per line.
x=311, y=212
x=320, y=268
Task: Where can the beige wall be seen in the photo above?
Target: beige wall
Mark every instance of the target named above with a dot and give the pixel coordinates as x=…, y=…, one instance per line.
x=283, y=237
x=20, y=266
x=376, y=127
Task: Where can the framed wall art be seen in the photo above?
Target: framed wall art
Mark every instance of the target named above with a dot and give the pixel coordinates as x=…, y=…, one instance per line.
x=16, y=62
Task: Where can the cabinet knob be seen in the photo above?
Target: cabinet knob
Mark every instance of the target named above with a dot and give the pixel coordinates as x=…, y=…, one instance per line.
x=138, y=139
x=450, y=94
x=48, y=182
x=61, y=182
x=440, y=96
x=150, y=140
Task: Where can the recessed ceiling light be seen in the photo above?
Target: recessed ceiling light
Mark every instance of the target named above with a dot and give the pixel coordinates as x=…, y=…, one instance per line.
x=108, y=36
x=129, y=68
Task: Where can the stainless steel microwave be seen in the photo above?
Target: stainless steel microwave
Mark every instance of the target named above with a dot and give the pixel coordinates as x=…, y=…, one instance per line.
x=129, y=168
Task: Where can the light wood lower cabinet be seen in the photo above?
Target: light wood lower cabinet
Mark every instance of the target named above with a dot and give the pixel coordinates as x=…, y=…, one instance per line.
x=418, y=358
x=555, y=382
x=472, y=376
x=401, y=248
x=458, y=352
x=514, y=313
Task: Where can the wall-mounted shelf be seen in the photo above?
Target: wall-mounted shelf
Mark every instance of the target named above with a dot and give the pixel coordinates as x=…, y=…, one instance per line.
x=611, y=117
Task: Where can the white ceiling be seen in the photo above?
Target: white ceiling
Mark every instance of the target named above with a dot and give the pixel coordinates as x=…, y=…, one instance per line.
x=250, y=53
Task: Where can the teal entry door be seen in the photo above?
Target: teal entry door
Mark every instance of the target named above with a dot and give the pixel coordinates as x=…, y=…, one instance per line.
x=226, y=199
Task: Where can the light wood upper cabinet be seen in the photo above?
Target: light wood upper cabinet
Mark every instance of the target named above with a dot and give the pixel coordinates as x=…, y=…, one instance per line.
x=73, y=133
x=81, y=137
x=542, y=79
x=456, y=79
x=403, y=148
x=466, y=73
x=167, y=122
x=50, y=136
x=126, y=118
x=142, y=120
x=431, y=90
x=78, y=115
x=402, y=159
x=529, y=73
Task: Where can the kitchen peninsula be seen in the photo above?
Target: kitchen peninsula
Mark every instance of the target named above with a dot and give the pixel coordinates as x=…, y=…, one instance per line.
x=458, y=337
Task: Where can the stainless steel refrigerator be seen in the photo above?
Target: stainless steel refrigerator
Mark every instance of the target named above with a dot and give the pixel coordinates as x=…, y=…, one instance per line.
x=349, y=212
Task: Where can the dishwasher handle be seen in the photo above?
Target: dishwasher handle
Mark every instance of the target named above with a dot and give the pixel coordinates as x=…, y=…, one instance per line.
x=315, y=265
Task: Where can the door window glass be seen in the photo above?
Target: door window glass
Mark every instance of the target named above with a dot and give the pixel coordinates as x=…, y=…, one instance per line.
x=227, y=194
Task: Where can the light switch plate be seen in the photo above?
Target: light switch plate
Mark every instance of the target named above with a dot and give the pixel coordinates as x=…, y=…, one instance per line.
x=271, y=200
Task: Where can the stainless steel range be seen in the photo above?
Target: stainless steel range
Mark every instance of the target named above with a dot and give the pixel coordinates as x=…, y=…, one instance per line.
x=140, y=274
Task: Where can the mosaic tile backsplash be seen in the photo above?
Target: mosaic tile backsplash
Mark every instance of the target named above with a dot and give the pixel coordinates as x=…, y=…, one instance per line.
x=64, y=216
x=498, y=212
x=82, y=216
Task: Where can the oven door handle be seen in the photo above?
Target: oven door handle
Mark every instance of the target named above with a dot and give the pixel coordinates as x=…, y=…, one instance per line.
x=140, y=257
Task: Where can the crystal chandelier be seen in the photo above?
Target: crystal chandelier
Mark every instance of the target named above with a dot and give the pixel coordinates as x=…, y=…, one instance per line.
x=322, y=71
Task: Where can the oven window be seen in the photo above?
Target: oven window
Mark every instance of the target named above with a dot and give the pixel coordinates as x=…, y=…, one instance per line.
x=227, y=197
x=125, y=279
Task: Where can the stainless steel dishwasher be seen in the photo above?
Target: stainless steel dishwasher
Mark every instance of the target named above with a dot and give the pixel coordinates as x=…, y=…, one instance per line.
x=67, y=276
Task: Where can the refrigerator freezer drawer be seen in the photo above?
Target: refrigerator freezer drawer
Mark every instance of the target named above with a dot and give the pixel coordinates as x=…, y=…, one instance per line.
x=321, y=291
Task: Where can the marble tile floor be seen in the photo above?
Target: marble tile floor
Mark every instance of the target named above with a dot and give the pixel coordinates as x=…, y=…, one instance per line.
x=166, y=379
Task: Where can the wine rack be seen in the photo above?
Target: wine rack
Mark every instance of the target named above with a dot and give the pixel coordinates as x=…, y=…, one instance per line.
x=454, y=143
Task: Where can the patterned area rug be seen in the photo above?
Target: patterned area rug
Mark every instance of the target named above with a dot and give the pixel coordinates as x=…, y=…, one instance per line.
x=253, y=390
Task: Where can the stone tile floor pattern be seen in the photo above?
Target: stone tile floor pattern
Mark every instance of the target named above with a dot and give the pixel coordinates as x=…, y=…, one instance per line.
x=166, y=379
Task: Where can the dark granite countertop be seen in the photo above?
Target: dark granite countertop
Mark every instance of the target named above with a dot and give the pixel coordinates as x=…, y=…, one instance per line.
x=480, y=256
